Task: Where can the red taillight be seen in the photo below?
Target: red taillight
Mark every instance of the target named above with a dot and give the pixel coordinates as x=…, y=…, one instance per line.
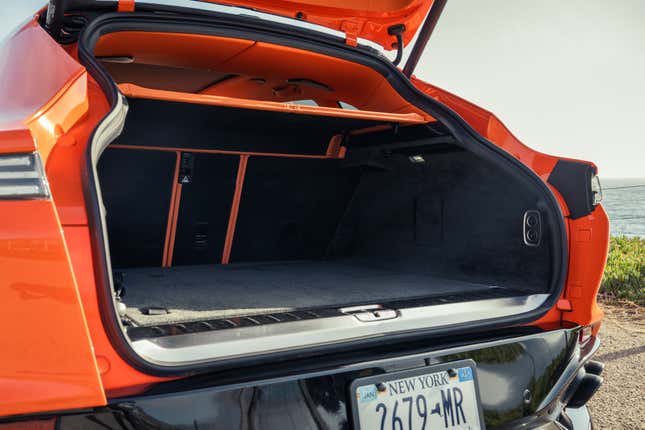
x=585, y=335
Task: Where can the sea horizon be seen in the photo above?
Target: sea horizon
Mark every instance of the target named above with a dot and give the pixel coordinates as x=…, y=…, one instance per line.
x=624, y=202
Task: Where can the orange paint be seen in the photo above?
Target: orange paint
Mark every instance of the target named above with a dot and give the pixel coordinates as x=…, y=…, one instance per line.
x=220, y=151
x=171, y=224
x=38, y=109
x=370, y=129
x=588, y=247
x=135, y=91
x=254, y=73
x=16, y=140
x=367, y=19
x=68, y=154
x=235, y=206
x=125, y=6
x=47, y=358
x=196, y=51
x=59, y=115
x=173, y=227
x=335, y=148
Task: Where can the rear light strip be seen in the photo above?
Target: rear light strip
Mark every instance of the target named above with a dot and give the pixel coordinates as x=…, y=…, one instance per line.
x=22, y=177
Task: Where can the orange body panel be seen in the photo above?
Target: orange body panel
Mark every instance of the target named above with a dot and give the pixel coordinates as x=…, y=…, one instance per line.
x=149, y=93
x=368, y=19
x=588, y=246
x=125, y=6
x=351, y=83
x=47, y=362
x=68, y=155
x=588, y=236
x=22, y=95
x=37, y=111
x=196, y=51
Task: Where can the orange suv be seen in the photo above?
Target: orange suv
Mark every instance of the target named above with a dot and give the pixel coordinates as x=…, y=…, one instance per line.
x=244, y=215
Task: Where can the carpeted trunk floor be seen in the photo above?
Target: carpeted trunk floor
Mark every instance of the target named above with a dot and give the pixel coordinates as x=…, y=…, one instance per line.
x=222, y=291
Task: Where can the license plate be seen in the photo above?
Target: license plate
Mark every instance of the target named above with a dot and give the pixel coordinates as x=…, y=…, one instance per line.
x=437, y=397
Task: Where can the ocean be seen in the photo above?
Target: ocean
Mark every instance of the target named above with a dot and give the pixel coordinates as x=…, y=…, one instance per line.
x=624, y=202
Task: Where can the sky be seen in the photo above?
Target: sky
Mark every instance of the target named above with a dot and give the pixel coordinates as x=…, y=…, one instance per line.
x=566, y=77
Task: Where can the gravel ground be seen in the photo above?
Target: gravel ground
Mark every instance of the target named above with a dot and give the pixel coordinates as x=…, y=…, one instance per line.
x=620, y=402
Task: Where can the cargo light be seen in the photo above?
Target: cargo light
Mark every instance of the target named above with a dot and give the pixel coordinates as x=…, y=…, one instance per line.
x=22, y=177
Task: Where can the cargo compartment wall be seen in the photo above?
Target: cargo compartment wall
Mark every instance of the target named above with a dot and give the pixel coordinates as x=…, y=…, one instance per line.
x=443, y=211
x=169, y=181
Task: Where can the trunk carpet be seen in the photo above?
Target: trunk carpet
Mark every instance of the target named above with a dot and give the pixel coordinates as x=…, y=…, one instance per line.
x=223, y=291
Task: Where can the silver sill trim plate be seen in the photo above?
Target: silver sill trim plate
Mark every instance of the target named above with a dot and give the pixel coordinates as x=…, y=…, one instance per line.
x=217, y=345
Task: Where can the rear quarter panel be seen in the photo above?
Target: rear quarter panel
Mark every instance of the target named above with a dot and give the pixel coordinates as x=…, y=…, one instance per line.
x=47, y=360
x=588, y=236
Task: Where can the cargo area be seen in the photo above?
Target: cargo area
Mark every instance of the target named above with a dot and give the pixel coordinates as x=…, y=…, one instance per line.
x=219, y=213
x=192, y=293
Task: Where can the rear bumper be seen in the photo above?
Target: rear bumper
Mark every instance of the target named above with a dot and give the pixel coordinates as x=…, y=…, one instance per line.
x=579, y=420
x=525, y=382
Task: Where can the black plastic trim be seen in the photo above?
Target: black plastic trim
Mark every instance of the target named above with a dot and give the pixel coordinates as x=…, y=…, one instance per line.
x=573, y=180
x=423, y=36
x=354, y=360
x=249, y=28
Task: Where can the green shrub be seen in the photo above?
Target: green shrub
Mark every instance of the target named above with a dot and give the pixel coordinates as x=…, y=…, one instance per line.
x=624, y=276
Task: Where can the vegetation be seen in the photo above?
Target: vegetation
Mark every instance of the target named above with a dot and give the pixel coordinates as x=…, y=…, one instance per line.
x=624, y=276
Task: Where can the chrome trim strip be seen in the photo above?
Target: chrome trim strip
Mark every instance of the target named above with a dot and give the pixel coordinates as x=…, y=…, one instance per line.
x=569, y=374
x=235, y=342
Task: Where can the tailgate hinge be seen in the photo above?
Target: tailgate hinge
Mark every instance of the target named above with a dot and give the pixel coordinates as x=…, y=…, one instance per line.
x=351, y=32
x=125, y=6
